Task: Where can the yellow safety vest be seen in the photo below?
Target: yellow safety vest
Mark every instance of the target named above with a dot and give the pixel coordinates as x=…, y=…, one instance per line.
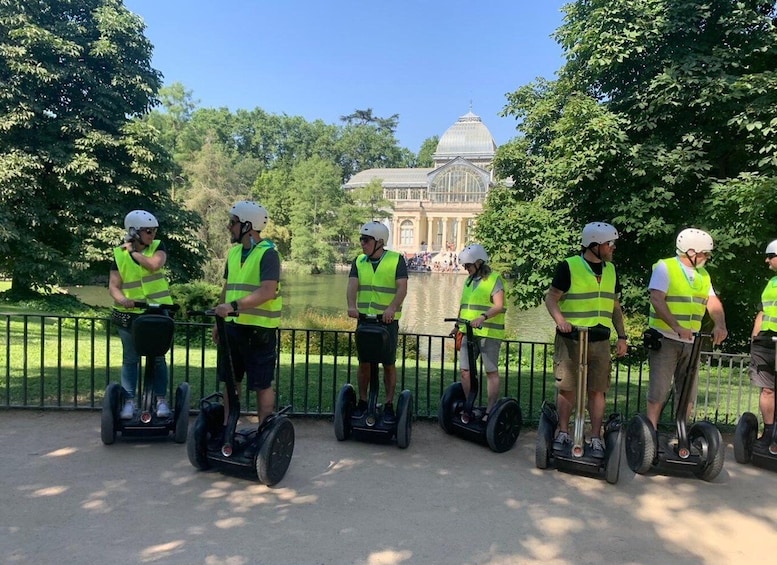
x=377, y=287
x=769, y=305
x=475, y=301
x=589, y=302
x=686, y=302
x=244, y=278
x=139, y=283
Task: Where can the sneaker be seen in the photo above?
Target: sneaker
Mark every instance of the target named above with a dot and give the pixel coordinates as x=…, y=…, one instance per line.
x=361, y=408
x=388, y=413
x=162, y=409
x=562, y=441
x=597, y=448
x=128, y=411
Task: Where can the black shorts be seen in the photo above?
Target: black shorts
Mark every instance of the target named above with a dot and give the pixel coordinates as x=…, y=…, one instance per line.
x=254, y=353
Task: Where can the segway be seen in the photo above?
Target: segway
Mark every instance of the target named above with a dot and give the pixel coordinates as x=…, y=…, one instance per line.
x=762, y=452
x=459, y=415
x=373, y=346
x=152, y=333
x=578, y=457
x=699, y=450
x=263, y=452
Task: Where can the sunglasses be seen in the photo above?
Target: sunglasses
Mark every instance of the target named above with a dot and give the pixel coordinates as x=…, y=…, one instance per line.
x=148, y=231
x=771, y=256
x=366, y=238
x=233, y=222
x=468, y=265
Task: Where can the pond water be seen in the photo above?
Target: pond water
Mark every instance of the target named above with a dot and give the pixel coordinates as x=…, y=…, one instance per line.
x=431, y=297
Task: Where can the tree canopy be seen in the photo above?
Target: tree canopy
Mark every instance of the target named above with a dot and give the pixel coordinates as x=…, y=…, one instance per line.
x=662, y=117
x=73, y=160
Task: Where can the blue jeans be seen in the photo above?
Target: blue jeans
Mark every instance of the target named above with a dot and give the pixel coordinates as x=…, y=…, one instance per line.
x=130, y=366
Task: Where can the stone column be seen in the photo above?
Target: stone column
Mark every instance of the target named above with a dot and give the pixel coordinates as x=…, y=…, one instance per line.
x=444, y=234
x=429, y=233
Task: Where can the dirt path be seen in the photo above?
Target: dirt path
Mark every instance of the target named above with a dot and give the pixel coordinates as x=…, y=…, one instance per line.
x=66, y=498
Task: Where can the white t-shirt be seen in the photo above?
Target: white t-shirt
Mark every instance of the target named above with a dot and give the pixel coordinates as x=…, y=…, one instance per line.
x=659, y=280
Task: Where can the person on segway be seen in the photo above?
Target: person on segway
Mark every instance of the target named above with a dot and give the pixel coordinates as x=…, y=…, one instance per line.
x=585, y=292
x=482, y=303
x=762, y=358
x=252, y=289
x=138, y=275
x=377, y=285
x=680, y=293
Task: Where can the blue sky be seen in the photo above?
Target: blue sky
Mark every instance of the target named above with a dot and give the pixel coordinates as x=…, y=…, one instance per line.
x=425, y=60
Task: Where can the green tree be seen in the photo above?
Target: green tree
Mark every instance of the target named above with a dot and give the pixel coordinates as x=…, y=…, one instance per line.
x=428, y=147
x=73, y=157
x=661, y=118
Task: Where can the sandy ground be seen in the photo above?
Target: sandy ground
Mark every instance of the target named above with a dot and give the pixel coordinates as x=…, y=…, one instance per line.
x=66, y=498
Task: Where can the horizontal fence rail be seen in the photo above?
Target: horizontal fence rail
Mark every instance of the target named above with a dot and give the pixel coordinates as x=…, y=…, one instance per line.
x=66, y=362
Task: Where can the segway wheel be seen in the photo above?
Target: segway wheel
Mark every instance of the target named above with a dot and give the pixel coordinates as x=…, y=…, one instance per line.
x=404, y=418
x=197, y=443
x=181, y=425
x=110, y=413
x=640, y=444
x=544, y=442
x=453, y=395
x=613, y=455
x=744, y=437
x=274, y=455
x=504, y=425
x=707, y=439
x=346, y=401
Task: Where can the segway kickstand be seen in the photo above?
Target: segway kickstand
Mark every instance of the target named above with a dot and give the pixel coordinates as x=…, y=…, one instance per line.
x=578, y=438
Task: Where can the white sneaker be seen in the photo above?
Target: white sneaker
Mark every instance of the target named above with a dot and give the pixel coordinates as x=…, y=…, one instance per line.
x=128, y=411
x=162, y=409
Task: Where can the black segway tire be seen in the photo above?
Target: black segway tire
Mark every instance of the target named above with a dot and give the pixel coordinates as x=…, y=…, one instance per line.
x=544, y=443
x=344, y=405
x=181, y=422
x=404, y=418
x=452, y=395
x=110, y=413
x=640, y=444
x=613, y=455
x=504, y=425
x=744, y=438
x=274, y=455
x=197, y=443
x=705, y=437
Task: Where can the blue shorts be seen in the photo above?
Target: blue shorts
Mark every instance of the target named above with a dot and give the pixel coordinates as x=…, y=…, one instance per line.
x=254, y=353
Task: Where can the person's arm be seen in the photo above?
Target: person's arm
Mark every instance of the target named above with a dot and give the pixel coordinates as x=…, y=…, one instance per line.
x=399, y=297
x=622, y=345
x=350, y=296
x=552, y=299
x=658, y=302
x=116, y=292
x=757, y=323
x=498, y=303
x=153, y=263
x=715, y=309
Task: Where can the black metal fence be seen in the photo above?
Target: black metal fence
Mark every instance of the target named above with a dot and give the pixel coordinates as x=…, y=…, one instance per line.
x=65, y=362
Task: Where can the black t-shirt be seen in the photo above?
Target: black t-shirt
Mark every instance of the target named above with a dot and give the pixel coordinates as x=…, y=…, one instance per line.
x=562, y=280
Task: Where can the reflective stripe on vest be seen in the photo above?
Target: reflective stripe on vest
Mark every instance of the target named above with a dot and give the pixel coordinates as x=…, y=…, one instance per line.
x=377, y=287
x=686, y=302
x=245, y=278
x=588, y=302
x=769, y=305
x=139, y=283
x=475, y=301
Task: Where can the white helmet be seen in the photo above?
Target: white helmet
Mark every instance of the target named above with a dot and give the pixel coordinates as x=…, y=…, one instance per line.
x=598, y=232
x=375, y=229
x=248, y=211
x=771, y=248
x=472, y=253
x=691, y=239
x=139, y=219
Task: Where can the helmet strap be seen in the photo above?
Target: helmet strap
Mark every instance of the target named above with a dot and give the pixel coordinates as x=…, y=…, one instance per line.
x=375, y=250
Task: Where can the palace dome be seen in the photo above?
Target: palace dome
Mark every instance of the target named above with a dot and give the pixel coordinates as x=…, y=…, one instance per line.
x=469, y=138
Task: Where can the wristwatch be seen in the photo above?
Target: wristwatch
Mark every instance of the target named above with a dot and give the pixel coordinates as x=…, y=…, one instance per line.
x=234, y=305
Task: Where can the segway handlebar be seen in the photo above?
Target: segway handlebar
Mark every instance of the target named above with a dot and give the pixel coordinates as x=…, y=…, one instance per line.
x=457, y=320
x=210, y=312
x=372, y=318
x=155, y=306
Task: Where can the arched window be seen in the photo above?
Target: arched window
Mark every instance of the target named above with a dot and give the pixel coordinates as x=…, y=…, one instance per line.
x=457, y=184
x=406, y=233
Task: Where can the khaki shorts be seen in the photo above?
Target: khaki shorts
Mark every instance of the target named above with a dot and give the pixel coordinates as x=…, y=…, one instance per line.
x=670, y=362
x=566, y=363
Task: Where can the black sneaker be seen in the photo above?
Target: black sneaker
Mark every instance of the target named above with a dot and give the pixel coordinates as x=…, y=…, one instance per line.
x=361, y=408
x=388, y=413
